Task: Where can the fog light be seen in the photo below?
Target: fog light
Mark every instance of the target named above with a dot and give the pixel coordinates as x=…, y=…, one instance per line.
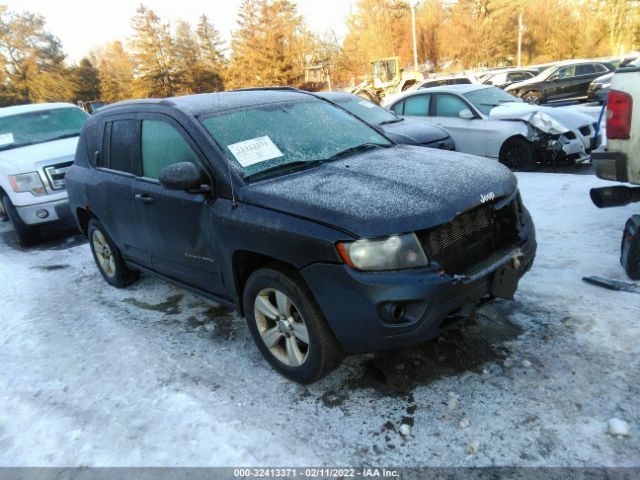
x=42, y=213
x=393, y=312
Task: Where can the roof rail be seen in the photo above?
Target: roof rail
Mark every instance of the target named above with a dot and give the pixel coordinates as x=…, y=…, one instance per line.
x=294, y=89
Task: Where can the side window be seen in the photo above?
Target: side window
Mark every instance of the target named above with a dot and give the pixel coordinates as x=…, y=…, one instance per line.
x=567, y=72
x=398, y=108
x=417, y=105
x=519, y=76
x=586, y=69
x=120, y=146
x=449, y=106
x=162, y=145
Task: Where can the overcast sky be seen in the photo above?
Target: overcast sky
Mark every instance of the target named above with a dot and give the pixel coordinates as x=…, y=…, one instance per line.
x=82, y=25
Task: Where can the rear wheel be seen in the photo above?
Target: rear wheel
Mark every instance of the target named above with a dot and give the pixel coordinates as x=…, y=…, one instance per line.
x=534, y=98
x=518, y=154
x=108, y=258
x=288, y=326
x=25, y=235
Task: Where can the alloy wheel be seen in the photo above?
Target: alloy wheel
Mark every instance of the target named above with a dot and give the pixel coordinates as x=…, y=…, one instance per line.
x=281, y=327
x=104, y=255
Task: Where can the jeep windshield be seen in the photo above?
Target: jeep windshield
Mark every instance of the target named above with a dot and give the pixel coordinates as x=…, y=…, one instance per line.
x=279, y=137
x=41, y=126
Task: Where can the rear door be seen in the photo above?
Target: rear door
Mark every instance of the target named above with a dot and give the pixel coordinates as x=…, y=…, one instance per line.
x=117, y=165
x=585, y=74
x=177, y=226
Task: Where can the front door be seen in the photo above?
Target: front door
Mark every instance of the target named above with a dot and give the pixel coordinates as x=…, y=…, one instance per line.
x=178, y=227
x=469, y=135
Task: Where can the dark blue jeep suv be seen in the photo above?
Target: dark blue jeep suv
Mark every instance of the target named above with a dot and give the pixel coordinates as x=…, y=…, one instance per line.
x=327, y=236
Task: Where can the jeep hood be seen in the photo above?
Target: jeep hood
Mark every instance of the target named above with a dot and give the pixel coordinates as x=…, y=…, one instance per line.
x=523, y=111
x=32, y=157
x=385, y=191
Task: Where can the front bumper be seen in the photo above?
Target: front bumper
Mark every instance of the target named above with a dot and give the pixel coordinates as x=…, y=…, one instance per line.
x=354, y=302
x=57, y=211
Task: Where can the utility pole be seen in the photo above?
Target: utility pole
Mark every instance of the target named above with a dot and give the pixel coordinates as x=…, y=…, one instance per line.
x=520, y=30
x=413, y=28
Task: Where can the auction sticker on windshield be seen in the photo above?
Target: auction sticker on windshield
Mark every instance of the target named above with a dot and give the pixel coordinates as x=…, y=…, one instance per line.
x=254, y=151
x=6, y=139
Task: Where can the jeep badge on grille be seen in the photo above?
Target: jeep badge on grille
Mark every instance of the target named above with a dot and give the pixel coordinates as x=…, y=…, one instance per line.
x=487, y=197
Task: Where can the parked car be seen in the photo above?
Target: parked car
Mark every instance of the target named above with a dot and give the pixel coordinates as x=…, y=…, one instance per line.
x=563, y=81
x=326, y=235
x=506, y=77
x=442, y=81
x=599, y=88
x=37, y=144
x=487, y=121
x=401, y=130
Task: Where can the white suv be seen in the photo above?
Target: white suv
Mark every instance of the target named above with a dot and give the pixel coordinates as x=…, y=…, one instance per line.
x=37, y=146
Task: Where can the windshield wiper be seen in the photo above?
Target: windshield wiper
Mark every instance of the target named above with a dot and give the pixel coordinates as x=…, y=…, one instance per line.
x=358, y=148
x=395, y=120
x=291, y=166
x=61, y=137
x=16, y=145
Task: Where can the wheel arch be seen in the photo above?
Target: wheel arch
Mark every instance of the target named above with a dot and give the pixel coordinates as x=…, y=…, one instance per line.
x=245, y=262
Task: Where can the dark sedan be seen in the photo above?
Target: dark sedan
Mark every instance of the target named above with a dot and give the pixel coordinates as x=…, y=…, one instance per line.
x=405, y=131
x=563, y=81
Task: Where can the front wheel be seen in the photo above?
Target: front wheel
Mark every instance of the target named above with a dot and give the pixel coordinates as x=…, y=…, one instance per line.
x=534, y=98
x=25, y=235
x=518, y=154
x=288, y=327
x=108, y=258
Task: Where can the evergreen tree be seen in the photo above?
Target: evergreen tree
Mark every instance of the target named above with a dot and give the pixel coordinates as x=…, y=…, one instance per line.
x=115, y=69
x=153, y=55
x=86, y=80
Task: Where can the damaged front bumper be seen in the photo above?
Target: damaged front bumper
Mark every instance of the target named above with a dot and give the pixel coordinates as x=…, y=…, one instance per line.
x=571, y=145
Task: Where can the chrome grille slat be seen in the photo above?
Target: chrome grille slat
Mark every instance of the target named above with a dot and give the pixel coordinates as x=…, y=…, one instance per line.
x=56, y=175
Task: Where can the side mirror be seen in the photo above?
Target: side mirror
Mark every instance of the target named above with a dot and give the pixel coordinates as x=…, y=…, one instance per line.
x=466, y=114
x=182, y=176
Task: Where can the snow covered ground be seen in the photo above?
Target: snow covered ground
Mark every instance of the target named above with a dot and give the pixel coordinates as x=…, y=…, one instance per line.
x=153, y=375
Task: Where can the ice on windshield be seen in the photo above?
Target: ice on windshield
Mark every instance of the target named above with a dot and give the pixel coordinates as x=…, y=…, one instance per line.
x=485, y=99
x=367, y=111
x=302, y=131
x=39, y=127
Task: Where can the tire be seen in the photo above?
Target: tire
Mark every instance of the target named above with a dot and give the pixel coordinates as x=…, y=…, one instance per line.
x=518, y=154
x=108, y=258
x=535, y=98
x=288, y=326
x=25, y=235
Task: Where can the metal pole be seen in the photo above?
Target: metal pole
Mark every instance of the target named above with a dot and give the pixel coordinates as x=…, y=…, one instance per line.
x=520, y=29
x=413, y=28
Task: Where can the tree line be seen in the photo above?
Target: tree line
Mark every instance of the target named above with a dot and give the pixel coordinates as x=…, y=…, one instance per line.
x=272, y=46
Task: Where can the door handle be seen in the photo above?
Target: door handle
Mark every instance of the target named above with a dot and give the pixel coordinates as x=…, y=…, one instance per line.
x=144, y=198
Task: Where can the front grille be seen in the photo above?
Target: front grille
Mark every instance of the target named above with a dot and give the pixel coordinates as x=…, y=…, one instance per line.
x=585, y=130
x=56, y=175
x=570, y=135
x=472, y=236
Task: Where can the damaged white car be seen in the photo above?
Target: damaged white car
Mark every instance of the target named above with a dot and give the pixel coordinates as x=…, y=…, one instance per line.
x=486, y=121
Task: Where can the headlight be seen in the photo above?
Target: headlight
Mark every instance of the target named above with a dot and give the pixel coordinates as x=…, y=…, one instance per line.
x=27, y=182
x=391, y=253
x=547, y=124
